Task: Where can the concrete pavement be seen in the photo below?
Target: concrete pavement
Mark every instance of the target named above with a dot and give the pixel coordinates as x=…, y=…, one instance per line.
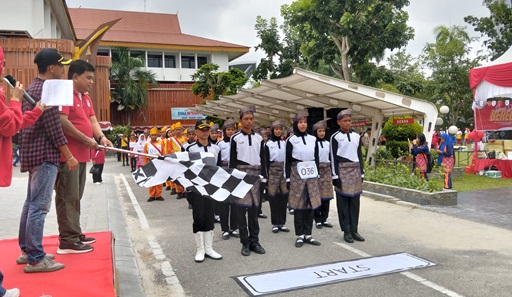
x=152, y=236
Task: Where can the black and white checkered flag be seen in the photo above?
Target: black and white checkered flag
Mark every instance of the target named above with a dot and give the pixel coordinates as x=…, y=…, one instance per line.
x=196, y=170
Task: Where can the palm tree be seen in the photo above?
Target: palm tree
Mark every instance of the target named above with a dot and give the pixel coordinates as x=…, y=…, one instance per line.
x=131, y=83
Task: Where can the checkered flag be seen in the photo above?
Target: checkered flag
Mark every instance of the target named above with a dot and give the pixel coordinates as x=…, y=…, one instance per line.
x=196, y=170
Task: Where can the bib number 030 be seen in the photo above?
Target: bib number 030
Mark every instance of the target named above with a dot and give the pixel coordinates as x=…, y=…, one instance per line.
x=307, y=169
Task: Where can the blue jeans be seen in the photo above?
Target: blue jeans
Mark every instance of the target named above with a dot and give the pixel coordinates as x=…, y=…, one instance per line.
x=2, y=290
x=41, y=181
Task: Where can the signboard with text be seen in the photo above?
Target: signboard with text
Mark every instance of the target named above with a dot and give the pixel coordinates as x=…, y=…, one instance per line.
x=183, y=113
x=404, y=121
x=495, y=117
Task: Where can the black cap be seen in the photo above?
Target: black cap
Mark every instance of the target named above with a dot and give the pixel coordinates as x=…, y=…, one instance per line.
x=50, y=56
x=202, y=124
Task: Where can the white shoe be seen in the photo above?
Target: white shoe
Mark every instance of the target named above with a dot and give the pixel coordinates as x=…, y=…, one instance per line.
x=12, y=293
x=199, y=236
x=208, y=249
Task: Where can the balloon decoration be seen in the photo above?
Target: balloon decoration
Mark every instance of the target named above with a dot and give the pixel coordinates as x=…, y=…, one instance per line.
x=476, y=137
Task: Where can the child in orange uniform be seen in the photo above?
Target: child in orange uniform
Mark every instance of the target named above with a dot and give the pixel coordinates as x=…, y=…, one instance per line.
x=154, y=147
x=176, y=142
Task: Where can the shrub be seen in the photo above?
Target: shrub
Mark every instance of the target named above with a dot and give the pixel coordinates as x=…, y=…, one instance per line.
x=397, y=135
x=400, y=175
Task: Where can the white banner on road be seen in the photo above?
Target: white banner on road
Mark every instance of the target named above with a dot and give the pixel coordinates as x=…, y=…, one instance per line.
x=299, y=278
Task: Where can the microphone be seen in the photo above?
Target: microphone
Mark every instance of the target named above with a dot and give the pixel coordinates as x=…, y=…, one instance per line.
x=12, y=82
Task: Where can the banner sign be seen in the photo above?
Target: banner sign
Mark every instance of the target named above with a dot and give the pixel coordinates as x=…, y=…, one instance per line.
x=493, y=117
x=406, y=121
x=183, y=113
x=359, y=124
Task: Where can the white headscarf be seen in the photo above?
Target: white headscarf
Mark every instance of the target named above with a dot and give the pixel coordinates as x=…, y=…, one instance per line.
x=139, y=147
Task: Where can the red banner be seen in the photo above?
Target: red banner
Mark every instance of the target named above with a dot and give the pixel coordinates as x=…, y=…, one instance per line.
x=493, y=117
x=406, y=121
x=359, y=124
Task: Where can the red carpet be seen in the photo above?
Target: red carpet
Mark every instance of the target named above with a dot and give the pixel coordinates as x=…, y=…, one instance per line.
x=90, y=274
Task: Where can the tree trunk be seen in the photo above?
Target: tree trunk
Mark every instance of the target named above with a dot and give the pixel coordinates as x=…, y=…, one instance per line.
x=343, y=48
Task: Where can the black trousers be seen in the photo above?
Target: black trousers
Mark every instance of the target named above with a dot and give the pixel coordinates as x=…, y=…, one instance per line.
x=202, y=212
x=133, y=163
x=322, y=213
x=278, y=209
x=348, y=212
x=249, y=227
x=96, y=178
x=303, y=221
x=125, y=156
x=228, y=219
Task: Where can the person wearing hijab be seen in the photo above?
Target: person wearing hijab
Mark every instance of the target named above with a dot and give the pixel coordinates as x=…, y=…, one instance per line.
x=301, y=172
x=273, y=164
x=325, y=180
x=420, y=152
x=139, y=148
x=245, y=155
x=227, y=212
x=447, y=158
x=347, y=175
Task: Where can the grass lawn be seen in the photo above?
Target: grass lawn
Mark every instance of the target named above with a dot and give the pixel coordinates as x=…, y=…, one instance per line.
x=474, y=182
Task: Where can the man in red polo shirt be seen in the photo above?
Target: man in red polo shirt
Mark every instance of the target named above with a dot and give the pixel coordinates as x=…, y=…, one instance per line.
x=82, y=130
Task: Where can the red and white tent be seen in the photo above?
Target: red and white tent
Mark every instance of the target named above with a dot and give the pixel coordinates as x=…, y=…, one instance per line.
x=494, y=79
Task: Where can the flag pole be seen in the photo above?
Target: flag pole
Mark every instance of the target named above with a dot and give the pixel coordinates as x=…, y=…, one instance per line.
x=109, y=148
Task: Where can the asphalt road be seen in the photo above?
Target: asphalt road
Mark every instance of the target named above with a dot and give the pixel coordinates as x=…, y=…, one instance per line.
x=472, y=258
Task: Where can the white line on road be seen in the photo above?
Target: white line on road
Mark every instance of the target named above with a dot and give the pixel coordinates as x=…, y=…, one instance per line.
x=410, y=275
x=165, y=266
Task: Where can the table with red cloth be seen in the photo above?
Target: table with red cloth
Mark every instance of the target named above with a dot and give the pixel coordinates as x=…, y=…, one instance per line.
x=505, y=166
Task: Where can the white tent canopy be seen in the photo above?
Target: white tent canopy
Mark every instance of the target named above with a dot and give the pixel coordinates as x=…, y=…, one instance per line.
x=282, y=98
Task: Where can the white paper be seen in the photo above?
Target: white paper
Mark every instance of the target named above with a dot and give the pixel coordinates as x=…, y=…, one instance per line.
x=57, y=92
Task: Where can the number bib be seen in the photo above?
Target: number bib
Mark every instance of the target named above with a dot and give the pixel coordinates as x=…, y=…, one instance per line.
x=307, y=169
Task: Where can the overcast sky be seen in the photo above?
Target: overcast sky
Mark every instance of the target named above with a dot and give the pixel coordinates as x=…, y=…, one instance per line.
x=233, y=20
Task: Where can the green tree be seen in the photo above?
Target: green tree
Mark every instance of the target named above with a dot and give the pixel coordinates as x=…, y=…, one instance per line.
x=398, y=135
x=406, y=72
x=346, y=34
x=448, y=59
x=131, y=83
x=497, y=28
x=281, y=56
x=209, y=82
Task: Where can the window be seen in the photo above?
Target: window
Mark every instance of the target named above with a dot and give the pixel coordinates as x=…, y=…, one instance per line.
x=201, y=61
x=138, y=54
x=188, y=62
x=155, y=60
x=103, y=52
x=170, y=61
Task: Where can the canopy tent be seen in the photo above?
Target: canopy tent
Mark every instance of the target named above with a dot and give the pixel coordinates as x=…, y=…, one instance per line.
x=282, y=98
x=491, y=81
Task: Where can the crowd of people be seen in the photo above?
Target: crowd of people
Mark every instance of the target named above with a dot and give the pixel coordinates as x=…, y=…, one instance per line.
x=302, y=171
x=55, y=144
x=299, y=169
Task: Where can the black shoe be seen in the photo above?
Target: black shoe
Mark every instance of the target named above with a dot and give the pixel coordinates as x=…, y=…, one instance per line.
x=74, y=248
x=312, y=241
x=246, y=251
x=327, y=224
x=159, y=198
x=181, y=196
x=299, y=242
x=263, y=216
x=167, y=188
x=189, y=206
x=275, y=229
x=319, y=225
x=348, y=238
x=225, y=235
x=173, y=191
x=151, y=199
x=257, y=248
x=234, y=233
x=86, y=240
x=357, y=237
x=284, y=229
